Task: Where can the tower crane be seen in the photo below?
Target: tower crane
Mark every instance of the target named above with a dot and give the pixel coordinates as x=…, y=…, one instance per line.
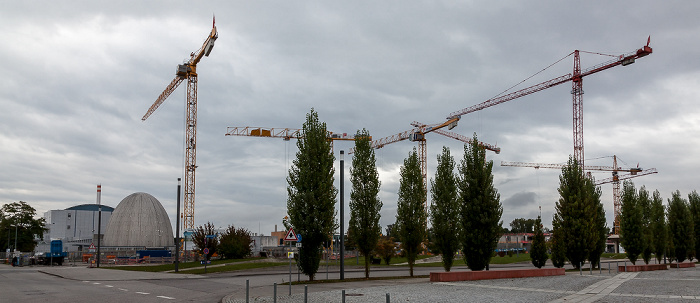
x=284, y=133
x=188, y=70
x=576, y=78
x=615, y=180
x=418, y=133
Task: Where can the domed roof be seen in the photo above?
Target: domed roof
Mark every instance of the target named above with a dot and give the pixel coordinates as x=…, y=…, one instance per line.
x=139, y=220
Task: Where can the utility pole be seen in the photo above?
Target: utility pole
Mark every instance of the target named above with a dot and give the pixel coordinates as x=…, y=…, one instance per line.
x=99, y=221
x=342, y=217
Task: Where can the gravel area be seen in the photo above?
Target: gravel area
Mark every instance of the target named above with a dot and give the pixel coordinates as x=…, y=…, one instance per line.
x=428, y=292
x=672, y=282
x=633, y=299
x=656, y=286
x=560, y=283
x=540, y=289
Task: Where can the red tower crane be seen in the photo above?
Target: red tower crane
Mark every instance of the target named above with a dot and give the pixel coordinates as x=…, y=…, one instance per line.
x=615, y=180
x=576, y=78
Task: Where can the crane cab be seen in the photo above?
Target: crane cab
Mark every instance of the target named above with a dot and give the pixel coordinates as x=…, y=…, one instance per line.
x=183, y=70
x=416, y=137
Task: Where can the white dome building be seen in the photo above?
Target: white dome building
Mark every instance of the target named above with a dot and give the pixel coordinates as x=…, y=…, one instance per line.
x=139, y=221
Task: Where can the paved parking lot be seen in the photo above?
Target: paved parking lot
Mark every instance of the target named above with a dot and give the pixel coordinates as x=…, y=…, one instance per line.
x=673, y=285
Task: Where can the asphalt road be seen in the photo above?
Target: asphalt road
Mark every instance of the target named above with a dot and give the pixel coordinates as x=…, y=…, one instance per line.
x=81, y=284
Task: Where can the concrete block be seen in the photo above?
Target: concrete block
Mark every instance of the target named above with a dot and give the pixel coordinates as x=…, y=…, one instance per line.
x=494, y=274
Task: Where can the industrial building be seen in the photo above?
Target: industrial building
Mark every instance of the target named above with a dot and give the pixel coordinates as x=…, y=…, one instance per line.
x=77, y=226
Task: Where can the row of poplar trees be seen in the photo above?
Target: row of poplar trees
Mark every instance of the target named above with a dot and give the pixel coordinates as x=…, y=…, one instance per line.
x=466, y=202
x=466, y=209
x=647, y=228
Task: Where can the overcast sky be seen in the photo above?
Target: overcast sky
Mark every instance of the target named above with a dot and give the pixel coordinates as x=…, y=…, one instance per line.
x=79, y=75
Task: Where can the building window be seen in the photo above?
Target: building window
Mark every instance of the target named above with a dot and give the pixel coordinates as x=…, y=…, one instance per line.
x=68, y=227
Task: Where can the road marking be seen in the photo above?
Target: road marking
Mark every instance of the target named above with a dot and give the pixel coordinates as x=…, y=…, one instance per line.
x=96, y=283
x=109, y=286
x=86, y=281
x=164, y=297
x=142, y=293
x=122, y=289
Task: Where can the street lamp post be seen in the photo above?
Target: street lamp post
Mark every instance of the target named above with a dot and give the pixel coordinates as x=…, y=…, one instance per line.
x=342, y=217
x=177, y=228
x=99, y=222
x=15, y=237
x=8, y=237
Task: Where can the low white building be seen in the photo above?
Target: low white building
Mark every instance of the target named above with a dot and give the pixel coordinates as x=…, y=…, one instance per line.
x=263, y=244
x=77, y=226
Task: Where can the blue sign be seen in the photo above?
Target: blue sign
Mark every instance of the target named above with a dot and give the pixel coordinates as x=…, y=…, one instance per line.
x=298, y=237
x=210, y=236
x=206, y=251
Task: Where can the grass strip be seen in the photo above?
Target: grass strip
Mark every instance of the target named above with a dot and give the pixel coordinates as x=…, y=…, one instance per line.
x=232, y=267
x=167, y=267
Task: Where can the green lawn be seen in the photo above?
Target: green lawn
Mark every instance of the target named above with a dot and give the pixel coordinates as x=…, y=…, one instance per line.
x=508, y=260
x=167, y=267
x=495, y=260
x=614, y=256
x=232, y=267
x=353, y=261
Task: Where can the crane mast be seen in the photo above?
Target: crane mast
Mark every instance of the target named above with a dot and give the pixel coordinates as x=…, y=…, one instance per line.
x=188, y=70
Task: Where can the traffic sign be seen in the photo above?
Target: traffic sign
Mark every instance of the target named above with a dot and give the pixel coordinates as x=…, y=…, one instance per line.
x=210, y=236
x=206, y=251
x=92, y=247
x=291, y=236
x=298, y=244
x=299, y=238
x=290, y=255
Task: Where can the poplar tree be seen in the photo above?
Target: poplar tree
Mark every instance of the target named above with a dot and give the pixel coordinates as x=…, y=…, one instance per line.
x=444, y=212
x=480, y=207
x=411, y=217
x=577, y=215
x=631, y=222
x=644, y=203
x=558, y=246
x=311, y=193
x=694, y=200
x=658, y=226
x=538, y=254
x=599, y=229
x=364, y=200
x=680, y=227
